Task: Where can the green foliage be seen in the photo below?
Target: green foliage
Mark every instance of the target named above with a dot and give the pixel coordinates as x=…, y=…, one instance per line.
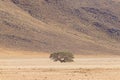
x=62, y=56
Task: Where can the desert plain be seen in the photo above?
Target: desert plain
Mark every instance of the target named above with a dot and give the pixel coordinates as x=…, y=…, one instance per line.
x=83, y=68
x=31, y=28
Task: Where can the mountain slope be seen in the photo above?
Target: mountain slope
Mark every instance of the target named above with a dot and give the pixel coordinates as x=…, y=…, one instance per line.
x=81, y=26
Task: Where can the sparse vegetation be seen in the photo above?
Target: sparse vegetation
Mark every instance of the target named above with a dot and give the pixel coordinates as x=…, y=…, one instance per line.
x=62, y=56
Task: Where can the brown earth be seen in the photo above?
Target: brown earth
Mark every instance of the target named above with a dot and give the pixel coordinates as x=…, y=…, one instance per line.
x=45, y=69
x=45, y=26
x=64, y=74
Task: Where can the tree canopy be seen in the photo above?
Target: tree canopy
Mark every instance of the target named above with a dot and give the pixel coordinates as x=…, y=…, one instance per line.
x=62, y=56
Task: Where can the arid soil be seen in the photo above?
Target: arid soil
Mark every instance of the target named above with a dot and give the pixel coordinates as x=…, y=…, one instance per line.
x=78, y=26
x=45, y=69
x=59, y=74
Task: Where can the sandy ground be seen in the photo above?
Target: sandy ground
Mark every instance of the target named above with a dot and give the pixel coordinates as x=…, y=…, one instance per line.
x=45, y=69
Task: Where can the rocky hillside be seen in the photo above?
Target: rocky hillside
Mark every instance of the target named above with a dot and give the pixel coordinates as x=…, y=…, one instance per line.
x=79, y=26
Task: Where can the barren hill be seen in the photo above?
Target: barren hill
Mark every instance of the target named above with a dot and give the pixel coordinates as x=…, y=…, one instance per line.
x=79, y=26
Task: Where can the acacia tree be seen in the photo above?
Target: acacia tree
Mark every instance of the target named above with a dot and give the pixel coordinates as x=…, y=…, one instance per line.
x=62, y=56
